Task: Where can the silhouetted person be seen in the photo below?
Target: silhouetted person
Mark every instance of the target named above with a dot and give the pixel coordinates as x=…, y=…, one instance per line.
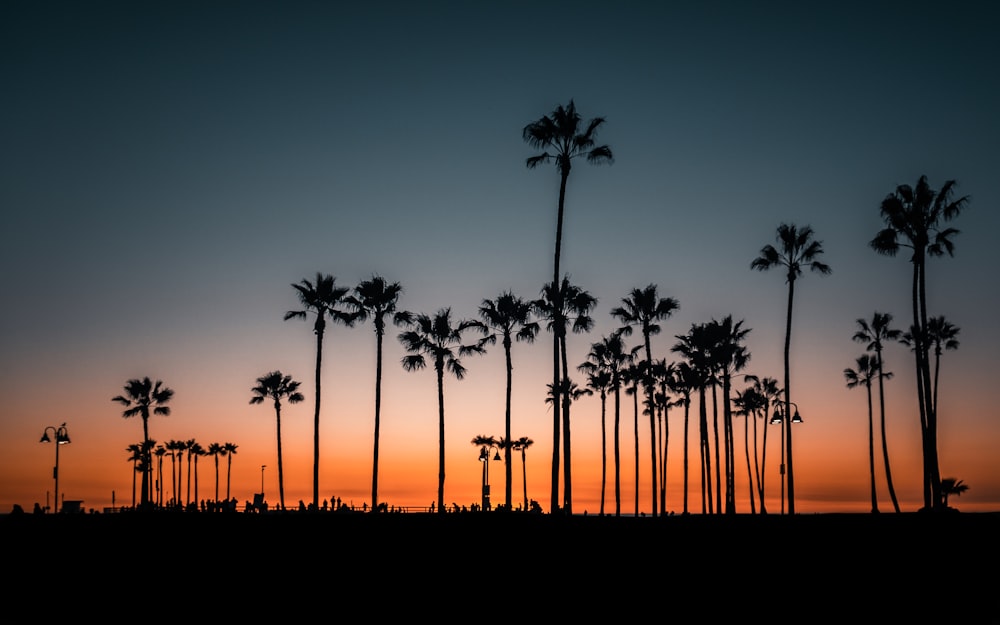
x=38, y=509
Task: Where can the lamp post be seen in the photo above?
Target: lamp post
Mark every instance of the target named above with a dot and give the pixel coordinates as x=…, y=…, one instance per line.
x=779, y=418
x=484, y=457
x=62, y=438
x=262, y=467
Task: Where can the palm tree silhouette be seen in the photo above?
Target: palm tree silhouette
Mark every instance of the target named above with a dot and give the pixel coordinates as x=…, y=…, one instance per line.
x=510, y=316
x=143, y=398
x=486, y=443
x=197, y=451
x=189, y=447
x=277, y=386
x=663, y=374
x=873, y=334
x=645, y=308
x=796, y=250
x=230, y=451
x=522, y=444
x=914, y=218
x=376, y=299
x=632, y=377
x=214, y=450
x=176, y=448
x=696, y=347
x=135, y=457
x=942, y=335
x=562, y=138
x=684, y=382
x=322, y=299
x=609, y=356
x=600, y=381
x=569, y=304
x=951, y=486
x=730, y=357
x=159, y=452
x=440, y=339
x=867, y=368
x=749, y=404
x=767, y=389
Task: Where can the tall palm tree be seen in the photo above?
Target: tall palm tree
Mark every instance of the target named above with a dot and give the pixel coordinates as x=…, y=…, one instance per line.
x=730, y=356
x=439, y=338
x=745, y=405
x=769, y=392
x=632, y=377
x=867, y=368
x=142, y=398
x=522, y=444
x=323, y=299
x=663, y=374
x=215, y=450
x=610, y=356
x=567, y=305
x=696, y=347
x=915, y=218
x=796, y=250
x=511, y=318
x=190, y=446
x=135, y=457
x=277, y=386
x=562, y=137
x=176, y=449
x=684, y=382
x=160, y=451
x=872, y=335
x=376, y=299
x=230, y=449
x=599, y=382
x=644, y=308
x=196, y=451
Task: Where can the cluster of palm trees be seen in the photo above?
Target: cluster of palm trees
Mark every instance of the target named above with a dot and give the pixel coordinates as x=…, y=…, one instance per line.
x=138, y=456
x=711, y=353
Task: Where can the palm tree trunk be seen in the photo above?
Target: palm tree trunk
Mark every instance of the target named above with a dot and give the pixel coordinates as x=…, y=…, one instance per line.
x=635, y=435
x=885, y=444
x=507, y=448
x=618, y=454
x=319, y=366
x=378, y=413
x=932, y=455
x=281, y=466
x=790, y=474
x=918, y=341
x=871, y=449
x=557, y=321
x=567, y=448
x=687, y=420
x=718, y=464
x=439, y=368
x=604, y=450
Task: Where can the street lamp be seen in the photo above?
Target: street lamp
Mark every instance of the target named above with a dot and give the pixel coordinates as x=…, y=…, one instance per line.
x=779, y=418
x=262, y=467
x=62, y=438
x=484, y=457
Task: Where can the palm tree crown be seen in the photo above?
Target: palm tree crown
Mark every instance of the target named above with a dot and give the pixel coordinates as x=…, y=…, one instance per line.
x=142, y=398
x=277, y=386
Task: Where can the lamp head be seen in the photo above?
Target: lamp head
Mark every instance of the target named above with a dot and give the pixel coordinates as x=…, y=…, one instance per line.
x=796, y=418
x=45, y=437
x=497, y=456
x=483, y=454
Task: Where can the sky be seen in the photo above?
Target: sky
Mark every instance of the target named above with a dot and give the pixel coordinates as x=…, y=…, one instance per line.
x=169, y=170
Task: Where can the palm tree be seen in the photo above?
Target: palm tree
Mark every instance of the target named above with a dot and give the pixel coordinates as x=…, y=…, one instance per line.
x=189, y=447
x=867, y=368
x=684, y=382
x=873, y=334
x=569, y=304
x=486, y=444
x=176, y=449
x=159, y=453
x=562, y=138
x=322, y=299
x=230, y=450
x=144, y=398
x=767, y=389
x=215, y=450
x=951, y=486
x=749, y=404
x=522, y=444
x=915, y=218
x=696, y=347
x=197, y=451
x=632, y=377
x=135, y=457
x=609, y=356
x=438, y=338
x=730, y=357
x=645, y=308
x=510, y=316
x=663, y=374
x=942, y=335
x=599, y=382
x=376, y=299
x=277, y=386
x=796, y=250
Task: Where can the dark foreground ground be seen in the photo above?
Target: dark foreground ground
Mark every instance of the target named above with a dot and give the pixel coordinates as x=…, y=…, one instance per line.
x=476, y=565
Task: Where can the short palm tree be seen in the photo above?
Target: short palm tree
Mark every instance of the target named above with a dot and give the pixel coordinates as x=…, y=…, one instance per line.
x=600, y=381
x=230, y=450
x=323, y=298
x=511, y=318
x=215, y=450
x=196, y=451
x=277, y=386
x=190, y=446
x=696, y=348
x=562, y=137
x=644, y=308
x=941, y=335
x=862, y=375
x=522, y=444
x=914, y=217
x=769, y=392
x=439, y=338
x=796, y=251
x=951, y=486
x=135, y=457
x=873, y=335
x=376, y=299
x=142, y=398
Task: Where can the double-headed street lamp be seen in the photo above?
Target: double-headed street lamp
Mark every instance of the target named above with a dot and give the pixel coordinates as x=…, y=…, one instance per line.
x=62, y=438
x=779, y=418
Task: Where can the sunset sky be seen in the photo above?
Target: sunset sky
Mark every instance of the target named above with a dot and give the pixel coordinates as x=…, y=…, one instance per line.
x=168, y=170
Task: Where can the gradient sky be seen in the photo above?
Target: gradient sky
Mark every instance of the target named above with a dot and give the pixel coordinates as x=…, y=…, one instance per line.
x=168, y=170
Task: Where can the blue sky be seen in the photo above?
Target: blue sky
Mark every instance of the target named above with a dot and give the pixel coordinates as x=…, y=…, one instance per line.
x=167, y=170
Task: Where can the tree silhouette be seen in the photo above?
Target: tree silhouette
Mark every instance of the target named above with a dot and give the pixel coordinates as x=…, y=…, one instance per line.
x=160, y=451
x=684, y=382
x=696, y=348
x=322, y=299
x=510, y=316
x=377, y=299
x=872, y=335
x=522, y=444
x=867, y=368
x=142, y=398
x=644, y=308
x=230, y=451
x=196, y=451
x=796, y=250
x=600, y=381
x=914, y=218
x=942, y=335
x=767, y=389
x=215, y=450
x=562, y=138
x=189, y=447
x=951, y=486
x=439, y=338
x=277, y=386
